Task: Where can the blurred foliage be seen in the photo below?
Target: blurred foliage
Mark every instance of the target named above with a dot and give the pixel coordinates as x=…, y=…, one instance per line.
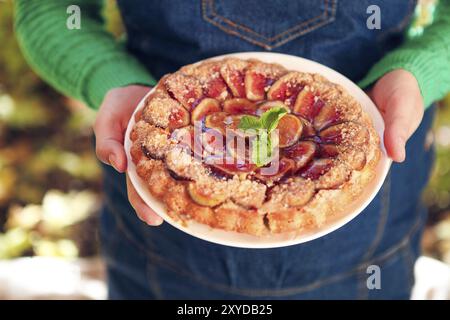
x=50, y=179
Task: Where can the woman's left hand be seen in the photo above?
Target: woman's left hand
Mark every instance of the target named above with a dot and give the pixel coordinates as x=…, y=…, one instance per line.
x=397, y=96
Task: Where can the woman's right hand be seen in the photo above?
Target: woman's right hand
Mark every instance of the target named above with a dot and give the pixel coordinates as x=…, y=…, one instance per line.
x=109, y=128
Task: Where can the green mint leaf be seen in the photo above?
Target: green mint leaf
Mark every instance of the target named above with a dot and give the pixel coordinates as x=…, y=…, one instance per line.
x=261, y=148
x=271, y=117
x=249, y=122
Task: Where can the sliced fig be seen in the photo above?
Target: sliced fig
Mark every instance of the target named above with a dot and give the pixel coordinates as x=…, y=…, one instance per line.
x=205, y=107
x=275, y=170
x=317, y=168
x=222, y=121
x=354, y=157
x=208, y=73
x=204, y=196
x=327, y=116
x=178, y=118
x=346, y=133
x=212, y=142
x=302, y=153
x=289, y=130
x=307, y=105
x=151, y=154
x=263, y=107
x=255, y=84
x=163, y=111
x=232, y=167
x=216, y=88
x=295, y=192
x=216, y=121
x=184, y=137
x=233, y=72
x=308, y=129
x=239, y=106
x=259, y=77
x=285, y=89
x=329, y=151
x=176, y=176
x=334, y=177
x=186, y=89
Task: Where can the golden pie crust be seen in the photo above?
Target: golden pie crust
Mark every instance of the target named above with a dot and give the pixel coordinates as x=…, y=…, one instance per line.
x=328, y=147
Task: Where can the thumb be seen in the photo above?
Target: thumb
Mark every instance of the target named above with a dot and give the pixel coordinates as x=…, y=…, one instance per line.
x=109, y=142
x=402, y=115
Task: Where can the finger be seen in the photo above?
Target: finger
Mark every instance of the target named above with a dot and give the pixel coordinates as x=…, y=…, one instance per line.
x=109, y=141
x=142, y=210
x=402, y=117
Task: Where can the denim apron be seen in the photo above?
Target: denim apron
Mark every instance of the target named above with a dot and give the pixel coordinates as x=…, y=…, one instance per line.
x=162, y=262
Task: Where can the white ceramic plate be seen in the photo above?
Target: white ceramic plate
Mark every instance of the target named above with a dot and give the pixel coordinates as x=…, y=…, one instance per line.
x=280, y=240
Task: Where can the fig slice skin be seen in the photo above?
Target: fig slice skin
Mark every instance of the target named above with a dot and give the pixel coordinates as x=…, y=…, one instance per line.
x=201, y=196
x=150, y=155
x=285, y=167
x=308, y=105
x=223, y=122
x=233, y=73
x=239, y=106
x=289, y=130
x=345, y=133
x=185, y=89
x=254, y=85
x=329, y=150
x=317, y=168
x=232, y=167
x=302, y=153
x=216, y=121
x=178, y=118
x=205, y=107
x=308, y=129
x=327, y=116
x=216, y=88
x=285, y=91
x=267, y=105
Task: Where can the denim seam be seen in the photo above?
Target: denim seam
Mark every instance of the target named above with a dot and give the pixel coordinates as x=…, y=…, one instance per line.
x=324, y=17
x=155, y=258
x=271, y=39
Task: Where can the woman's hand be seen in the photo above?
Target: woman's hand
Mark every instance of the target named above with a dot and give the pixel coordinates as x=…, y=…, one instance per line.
x=397, y=96
x=109, y=128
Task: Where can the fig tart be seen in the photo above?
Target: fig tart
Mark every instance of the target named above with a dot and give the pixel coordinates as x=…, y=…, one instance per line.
x=194, y=147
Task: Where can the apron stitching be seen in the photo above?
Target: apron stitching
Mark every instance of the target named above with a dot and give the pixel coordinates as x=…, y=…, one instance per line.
x=323, y=17
x=235, y=33
x=271, y=39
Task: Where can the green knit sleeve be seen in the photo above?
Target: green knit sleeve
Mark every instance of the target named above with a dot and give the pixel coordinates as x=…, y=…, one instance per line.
x=83, y=63
x=426, y=56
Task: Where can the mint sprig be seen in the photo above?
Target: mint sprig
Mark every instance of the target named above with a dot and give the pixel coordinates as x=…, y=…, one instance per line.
x=262, y=147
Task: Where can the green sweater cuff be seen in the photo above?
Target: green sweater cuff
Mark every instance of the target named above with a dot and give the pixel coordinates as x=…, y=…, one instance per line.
x=112, y=74
x=418, y=65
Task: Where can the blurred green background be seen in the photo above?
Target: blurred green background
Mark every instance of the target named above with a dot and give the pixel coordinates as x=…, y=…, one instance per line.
x=50, y=180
